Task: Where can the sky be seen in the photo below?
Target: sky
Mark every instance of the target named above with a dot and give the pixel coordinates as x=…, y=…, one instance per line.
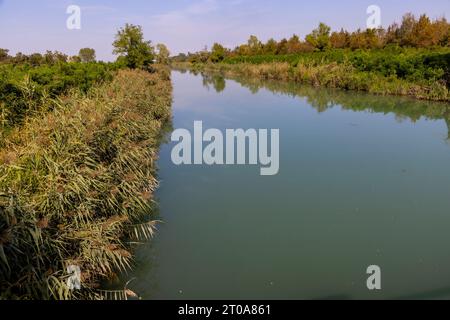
x=186, y=25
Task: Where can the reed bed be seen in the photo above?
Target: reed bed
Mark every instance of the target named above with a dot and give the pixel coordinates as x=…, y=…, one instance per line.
x=332, y=75
x=76, y=187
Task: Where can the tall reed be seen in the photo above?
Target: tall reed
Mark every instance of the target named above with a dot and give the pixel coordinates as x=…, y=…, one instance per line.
x=76, y=187
x=332, y=75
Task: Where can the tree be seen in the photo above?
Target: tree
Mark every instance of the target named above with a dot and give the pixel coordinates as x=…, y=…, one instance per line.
x=393, y=34
x=74, y=59
x=372, y=39
x=254, y=45
x=132, y=48
x=49, y=58
x=340, y=40
x=405, y=32
x=218, y=53
x=320, y=37
x=60, y=57
x=294, y=44
x=199, y=57
x=4, y=54
x=163, y=54
x=243, y=50
x=20, y=58
x=270, y=47
x=358, y=40
x=282, y=47
x=87, y=55
x=441, y=32
x=35, y=59
x=182, y=57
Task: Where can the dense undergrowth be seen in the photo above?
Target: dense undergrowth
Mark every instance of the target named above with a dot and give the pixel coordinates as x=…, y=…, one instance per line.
x=76, y=183
x=420, y=73
x=26, y=90
x=404, y=63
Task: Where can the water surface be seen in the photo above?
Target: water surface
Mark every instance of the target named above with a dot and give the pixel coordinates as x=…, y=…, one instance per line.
x=364, y=180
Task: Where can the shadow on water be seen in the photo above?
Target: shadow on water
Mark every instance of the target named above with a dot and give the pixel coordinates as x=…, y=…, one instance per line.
x=323, y=99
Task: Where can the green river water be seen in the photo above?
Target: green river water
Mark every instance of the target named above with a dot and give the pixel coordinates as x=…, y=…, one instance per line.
x=364, y=180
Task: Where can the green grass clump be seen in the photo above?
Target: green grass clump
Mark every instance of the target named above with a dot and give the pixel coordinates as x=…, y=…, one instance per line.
x=76, y=186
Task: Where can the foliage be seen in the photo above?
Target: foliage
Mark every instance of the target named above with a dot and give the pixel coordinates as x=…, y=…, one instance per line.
x=218, y=53
x=163, y=55
x=131, y=47
x=411, y=58
x=320, y=37
x=34, y=60
x=4, y=54
x=413, y=32
x=76, y=187
x=337, y=75
x=25, y=89
x=87, y=55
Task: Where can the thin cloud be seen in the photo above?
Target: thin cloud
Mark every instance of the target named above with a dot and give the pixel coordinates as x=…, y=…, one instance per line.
x=195, y=25
x=98, y=9
x=180, y=16
x=204, y=7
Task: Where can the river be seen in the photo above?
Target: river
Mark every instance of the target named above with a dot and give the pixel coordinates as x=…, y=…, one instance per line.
x=364, y=180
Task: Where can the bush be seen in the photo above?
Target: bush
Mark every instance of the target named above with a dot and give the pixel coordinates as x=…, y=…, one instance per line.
x=405, y=63
x=24, y=88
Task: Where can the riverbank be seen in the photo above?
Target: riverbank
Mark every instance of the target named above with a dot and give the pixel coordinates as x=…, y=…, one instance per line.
x=76, y=186
x=331, y=75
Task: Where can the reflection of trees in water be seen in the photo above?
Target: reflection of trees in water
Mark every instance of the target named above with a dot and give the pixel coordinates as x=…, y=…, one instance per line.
x=217, y=81
x=322, y=99
x=447, y=121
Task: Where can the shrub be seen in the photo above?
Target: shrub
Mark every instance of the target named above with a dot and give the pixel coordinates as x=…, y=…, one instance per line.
x=23, y=88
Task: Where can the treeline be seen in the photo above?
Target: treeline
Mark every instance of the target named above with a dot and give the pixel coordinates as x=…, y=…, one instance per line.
x=421, y=32
x=48, y=58
x=411, y=64
x=408, y=58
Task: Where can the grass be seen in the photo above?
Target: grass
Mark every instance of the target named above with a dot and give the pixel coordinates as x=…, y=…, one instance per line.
x=76, y=186
x=333, y=75
x=422, y=73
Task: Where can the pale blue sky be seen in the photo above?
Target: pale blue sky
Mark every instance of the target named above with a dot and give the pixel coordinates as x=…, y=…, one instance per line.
x=186, y=25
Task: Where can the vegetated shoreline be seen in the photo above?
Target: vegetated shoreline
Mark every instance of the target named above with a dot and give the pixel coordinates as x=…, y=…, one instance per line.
x=76, y=186
x=322, y=98
x=408, y=58
x=331, y=75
